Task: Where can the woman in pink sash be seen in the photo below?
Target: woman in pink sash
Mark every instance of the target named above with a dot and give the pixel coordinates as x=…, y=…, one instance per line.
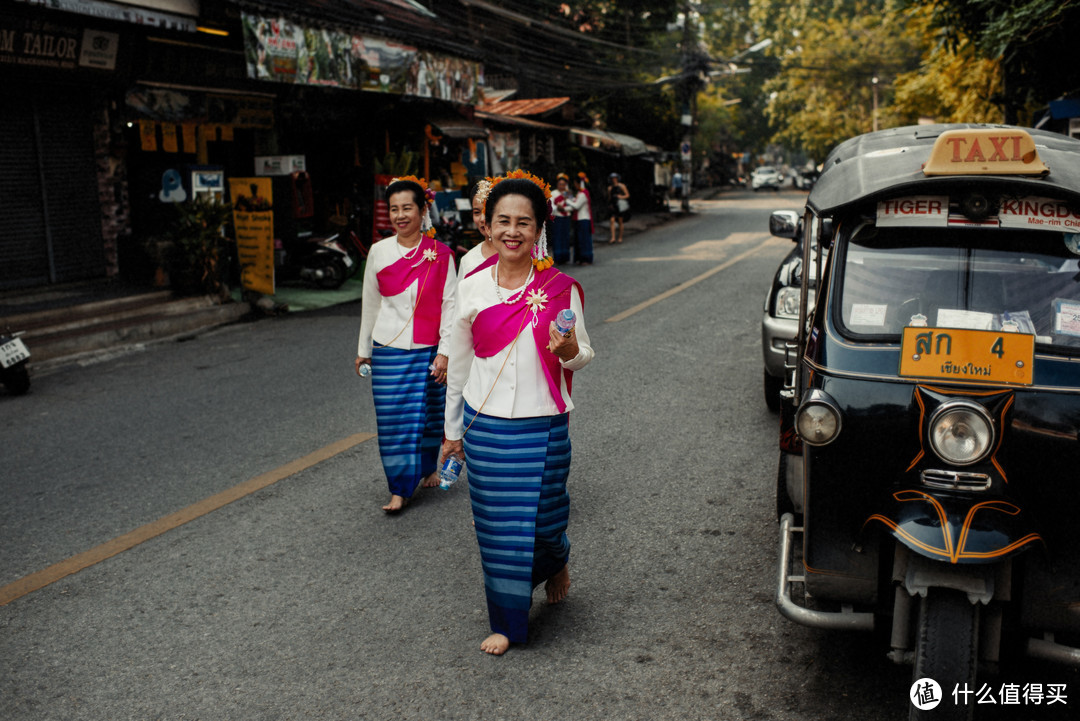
x=408, y=308
x=507, y=407
x=482, y=255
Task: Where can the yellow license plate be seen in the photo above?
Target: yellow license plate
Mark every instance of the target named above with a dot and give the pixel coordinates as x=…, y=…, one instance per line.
x=959, y=354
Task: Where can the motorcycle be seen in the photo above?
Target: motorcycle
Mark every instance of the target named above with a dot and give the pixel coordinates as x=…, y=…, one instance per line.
x=326, y=261
x=928, y=445
x=13, y=357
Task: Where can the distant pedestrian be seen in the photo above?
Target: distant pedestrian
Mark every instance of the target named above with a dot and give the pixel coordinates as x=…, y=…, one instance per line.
x=583, y=222
x=618, y=206
x=483, y=254
x=562, y=211
x=677, y=185
x=407, y=312
x=508, y=404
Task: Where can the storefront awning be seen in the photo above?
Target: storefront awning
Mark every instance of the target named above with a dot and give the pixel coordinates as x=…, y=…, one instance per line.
x=516, y=121
x=457, y=128
x=609, y=141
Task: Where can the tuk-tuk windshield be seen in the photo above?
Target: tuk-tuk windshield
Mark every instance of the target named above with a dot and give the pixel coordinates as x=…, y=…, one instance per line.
x=1023, y=281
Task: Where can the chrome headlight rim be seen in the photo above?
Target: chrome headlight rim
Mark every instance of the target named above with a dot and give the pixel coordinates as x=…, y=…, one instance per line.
x=818, y=399
x=976, y=410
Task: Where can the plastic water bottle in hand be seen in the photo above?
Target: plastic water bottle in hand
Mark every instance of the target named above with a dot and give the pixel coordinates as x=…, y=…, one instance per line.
x=364, y=370
x=451, y=469
x=565, y=321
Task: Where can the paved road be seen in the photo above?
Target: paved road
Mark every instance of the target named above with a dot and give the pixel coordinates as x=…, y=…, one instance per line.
x=303, y=601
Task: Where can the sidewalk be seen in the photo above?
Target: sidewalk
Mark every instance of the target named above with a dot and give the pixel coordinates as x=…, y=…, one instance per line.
x=88, y=320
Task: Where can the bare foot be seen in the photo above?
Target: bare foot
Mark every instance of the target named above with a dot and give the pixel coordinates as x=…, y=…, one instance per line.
x=431, y=481
x=495, y=644
x=396, y=504
x=558, y=585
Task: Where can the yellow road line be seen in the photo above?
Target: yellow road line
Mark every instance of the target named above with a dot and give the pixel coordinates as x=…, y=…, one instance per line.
x=687, y=284
x=44, y=577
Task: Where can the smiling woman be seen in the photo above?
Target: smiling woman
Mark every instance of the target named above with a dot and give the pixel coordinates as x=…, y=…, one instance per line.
x=408, y=306
x=508, y=404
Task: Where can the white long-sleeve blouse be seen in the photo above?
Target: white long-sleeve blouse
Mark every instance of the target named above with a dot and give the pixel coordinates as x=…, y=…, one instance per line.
x=387, y=320
x=514, y=389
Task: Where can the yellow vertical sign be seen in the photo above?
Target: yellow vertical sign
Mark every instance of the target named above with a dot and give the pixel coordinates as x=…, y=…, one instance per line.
x=253, y=218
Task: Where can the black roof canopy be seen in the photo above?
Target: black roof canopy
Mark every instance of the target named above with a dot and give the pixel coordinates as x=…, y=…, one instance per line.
x=889, y=163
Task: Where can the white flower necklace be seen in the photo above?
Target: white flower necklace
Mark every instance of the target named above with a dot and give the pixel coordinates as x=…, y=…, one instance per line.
x=517, y=294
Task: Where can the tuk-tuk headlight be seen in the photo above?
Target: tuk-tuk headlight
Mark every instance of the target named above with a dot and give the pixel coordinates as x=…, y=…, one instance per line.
x=818, y=419
x=961, y=433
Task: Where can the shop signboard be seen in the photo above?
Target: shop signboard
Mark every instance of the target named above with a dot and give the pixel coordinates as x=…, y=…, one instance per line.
x=253, y=219
x=280, y=50
x=56, y=46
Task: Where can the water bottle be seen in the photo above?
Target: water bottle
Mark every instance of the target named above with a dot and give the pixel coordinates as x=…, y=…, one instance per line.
x=451, y=469
x=565, y=321
x=364, y=370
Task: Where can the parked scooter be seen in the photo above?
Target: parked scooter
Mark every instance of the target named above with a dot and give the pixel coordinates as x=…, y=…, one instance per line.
x=13, y=357
x=450, y=232
x=326, y=261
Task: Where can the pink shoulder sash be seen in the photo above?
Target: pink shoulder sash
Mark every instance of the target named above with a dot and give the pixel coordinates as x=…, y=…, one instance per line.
x=428, y=267
x=497, y=326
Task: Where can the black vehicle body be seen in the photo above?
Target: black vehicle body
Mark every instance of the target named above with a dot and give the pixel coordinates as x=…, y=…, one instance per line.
x=930, y=498
x=780, y=318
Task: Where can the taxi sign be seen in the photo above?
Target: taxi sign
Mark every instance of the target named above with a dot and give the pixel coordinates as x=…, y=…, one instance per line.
x=961, y=354
x=984, y=151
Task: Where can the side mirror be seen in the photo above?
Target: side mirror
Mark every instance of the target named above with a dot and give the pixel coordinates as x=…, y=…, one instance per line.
x=784, y=224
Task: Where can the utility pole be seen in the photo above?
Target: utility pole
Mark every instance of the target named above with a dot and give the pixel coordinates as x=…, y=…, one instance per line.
x=694, y=64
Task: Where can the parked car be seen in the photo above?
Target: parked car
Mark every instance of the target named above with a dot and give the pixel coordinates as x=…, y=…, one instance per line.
x=779, y=322
x=804, y=179
x=766, y=177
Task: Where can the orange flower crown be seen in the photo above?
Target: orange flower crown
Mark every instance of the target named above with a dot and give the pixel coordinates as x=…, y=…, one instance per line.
x=422, y=182
x=526, y=175
x=545, y=261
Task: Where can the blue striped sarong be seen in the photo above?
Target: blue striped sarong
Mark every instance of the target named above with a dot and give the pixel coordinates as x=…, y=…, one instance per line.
x=517, y=470
x=409, y=410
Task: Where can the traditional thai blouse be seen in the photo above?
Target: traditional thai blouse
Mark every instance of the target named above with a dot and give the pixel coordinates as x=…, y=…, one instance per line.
x=408, y=297
x=503, y=378
x=474, y=260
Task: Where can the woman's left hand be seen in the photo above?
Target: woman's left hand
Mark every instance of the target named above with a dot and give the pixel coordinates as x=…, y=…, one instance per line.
x=564, y=346
x=439, y=374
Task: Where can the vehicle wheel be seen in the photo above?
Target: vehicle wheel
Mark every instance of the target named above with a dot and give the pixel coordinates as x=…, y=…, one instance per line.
x=335, y=274
x=16, y=379
x=772, y=386
x=784, y=503
x=947, y=650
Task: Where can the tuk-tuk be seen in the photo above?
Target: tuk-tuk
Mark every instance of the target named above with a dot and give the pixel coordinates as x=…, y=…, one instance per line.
x=930, y=437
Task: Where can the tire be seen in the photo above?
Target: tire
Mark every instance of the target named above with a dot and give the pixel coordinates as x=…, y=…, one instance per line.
x=784, y=503
x=335, y=275
x=16, y=379
x=947, y=650
x=772, y=387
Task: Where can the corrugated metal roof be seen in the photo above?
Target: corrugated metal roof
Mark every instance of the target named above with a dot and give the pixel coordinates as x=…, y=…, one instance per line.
x=531, y=106
x=516, y=121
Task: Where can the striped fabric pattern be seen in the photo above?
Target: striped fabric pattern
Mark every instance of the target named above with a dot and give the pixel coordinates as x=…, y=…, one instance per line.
x=517, y=470
x=409, y=409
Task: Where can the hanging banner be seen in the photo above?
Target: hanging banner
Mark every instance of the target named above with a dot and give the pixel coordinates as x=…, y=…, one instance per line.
x=168, y=138
x=279, y=50
x=148, y=135
x=253, y=219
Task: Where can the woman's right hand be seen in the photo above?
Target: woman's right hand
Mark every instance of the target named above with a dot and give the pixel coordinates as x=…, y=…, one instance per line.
x=453, y=448
x=359, y=362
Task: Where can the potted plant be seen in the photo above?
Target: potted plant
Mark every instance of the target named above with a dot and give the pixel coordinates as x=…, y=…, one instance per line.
x=194, y=250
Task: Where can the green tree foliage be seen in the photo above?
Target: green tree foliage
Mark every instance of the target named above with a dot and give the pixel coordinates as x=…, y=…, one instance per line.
x=1034, y=40
x=952, y=85
x=825, y=91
